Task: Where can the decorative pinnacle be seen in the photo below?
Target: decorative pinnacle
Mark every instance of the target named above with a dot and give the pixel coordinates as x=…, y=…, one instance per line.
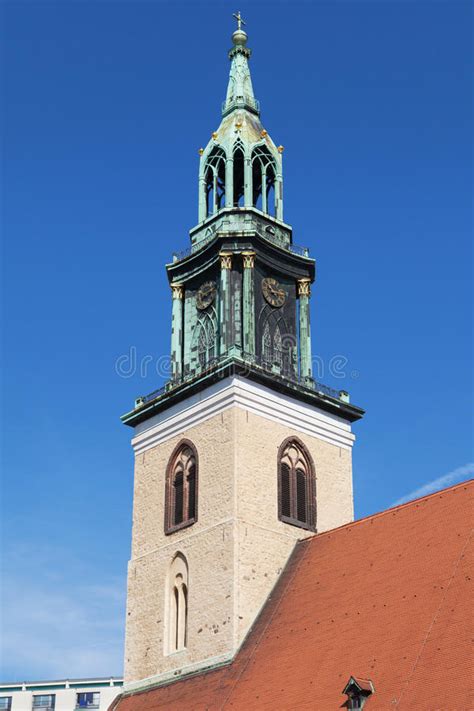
x=239, y=38
x=239, y=90
x=239, y=19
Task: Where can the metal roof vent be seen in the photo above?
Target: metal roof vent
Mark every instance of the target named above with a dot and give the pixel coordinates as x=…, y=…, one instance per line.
x=357, y=691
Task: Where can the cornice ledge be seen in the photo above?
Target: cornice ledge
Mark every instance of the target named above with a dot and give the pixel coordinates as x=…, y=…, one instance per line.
x=169, y=677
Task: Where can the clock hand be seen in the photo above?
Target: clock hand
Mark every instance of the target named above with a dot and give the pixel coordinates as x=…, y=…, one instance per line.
x=280, y=293
x=207, y=290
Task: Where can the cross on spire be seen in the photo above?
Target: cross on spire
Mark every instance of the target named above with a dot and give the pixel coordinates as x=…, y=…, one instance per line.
x=239, y=19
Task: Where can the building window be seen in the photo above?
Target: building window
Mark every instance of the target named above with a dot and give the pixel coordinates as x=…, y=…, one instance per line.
x=88, y=700
x=176, y=616
x=45, y=702
x=276, y=344
x=181, y=488
x=206, y=339
x=5, y=702
x=296, y=485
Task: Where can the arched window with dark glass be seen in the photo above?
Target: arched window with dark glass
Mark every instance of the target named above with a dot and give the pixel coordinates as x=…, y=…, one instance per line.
x=206, y=339
x=296, y=485
x=276, y=344
x=181, y=488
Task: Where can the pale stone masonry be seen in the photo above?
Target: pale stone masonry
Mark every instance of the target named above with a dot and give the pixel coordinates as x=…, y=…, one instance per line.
x=242, y=452
x=238, y=546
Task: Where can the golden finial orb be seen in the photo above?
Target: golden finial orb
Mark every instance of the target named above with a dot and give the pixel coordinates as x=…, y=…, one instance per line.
x=214, y=135
x=201, y=151
x=281, y=149
x=240, y=36
x=263, y=133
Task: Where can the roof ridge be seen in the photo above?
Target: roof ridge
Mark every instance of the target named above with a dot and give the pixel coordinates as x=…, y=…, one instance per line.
x=364, y=519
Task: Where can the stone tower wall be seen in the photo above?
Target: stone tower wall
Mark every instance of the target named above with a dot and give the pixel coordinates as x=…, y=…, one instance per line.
x=237, y=548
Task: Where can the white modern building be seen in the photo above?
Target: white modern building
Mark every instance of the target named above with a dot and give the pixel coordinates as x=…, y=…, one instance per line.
x=63, y=695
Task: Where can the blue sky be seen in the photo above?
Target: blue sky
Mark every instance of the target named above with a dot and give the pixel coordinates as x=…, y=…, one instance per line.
x=105, y=107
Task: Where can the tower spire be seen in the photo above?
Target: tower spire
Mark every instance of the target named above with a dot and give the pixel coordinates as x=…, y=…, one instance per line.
x=239, y=90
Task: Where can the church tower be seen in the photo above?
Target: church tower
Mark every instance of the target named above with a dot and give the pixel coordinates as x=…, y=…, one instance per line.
x=242, y=452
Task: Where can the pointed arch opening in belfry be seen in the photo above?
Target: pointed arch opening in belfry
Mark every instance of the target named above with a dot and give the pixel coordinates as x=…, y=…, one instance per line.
x=176, y=613
x=263, y=180
x=239, y=175
x=214, y=174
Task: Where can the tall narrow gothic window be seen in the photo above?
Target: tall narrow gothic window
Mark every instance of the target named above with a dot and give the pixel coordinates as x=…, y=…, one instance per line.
x=181, y=488
x=267, y=344
x=296, y=499
x=176, y=613
x=277, y=347
x=276, y=344
x=272, y=347
x=204, y=341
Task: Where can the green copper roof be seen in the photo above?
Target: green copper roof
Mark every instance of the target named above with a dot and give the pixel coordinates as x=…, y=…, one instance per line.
x=240, y=163
x=239, y=90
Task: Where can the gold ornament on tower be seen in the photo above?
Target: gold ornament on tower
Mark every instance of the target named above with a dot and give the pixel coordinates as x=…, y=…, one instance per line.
x=226, y=260
x=249, y=259
x=304, y=287
x=177, y=291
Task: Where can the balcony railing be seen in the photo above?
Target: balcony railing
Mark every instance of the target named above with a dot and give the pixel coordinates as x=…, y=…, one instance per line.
x=241, y=102
x=282, y=373
x=288, y=246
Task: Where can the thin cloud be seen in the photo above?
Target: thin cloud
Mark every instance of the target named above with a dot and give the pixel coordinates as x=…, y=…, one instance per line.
x=66, y=624
x=440, y=483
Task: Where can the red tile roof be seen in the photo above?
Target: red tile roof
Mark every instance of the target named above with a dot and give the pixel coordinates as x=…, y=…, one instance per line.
x=384, y=598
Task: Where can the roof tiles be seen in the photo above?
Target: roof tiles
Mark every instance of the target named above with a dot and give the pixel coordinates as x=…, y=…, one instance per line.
x=383, y=599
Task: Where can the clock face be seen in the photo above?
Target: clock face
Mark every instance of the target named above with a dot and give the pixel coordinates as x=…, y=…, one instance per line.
x=206, y=295
x=273, y=292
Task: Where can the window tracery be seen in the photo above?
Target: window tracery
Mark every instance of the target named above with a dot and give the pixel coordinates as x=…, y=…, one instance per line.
x=205, y=337
x=296, y=484
x=276, y=344
x=181, y=488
